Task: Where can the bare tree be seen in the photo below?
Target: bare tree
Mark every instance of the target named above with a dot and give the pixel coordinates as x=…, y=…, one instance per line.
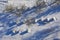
x=58, y=2
x=20, y=10
x=30, y=21
x=9, y=8
x=40, y=3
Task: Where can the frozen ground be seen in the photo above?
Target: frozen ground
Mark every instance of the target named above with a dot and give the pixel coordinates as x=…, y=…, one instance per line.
x=49, y=31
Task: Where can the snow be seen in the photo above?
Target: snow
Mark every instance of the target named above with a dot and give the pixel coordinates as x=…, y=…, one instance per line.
x=34, y=27
x=20, y=3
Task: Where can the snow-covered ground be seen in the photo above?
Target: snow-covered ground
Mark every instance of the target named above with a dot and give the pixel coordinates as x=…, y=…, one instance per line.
x=19, y=3
x=34, y=28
